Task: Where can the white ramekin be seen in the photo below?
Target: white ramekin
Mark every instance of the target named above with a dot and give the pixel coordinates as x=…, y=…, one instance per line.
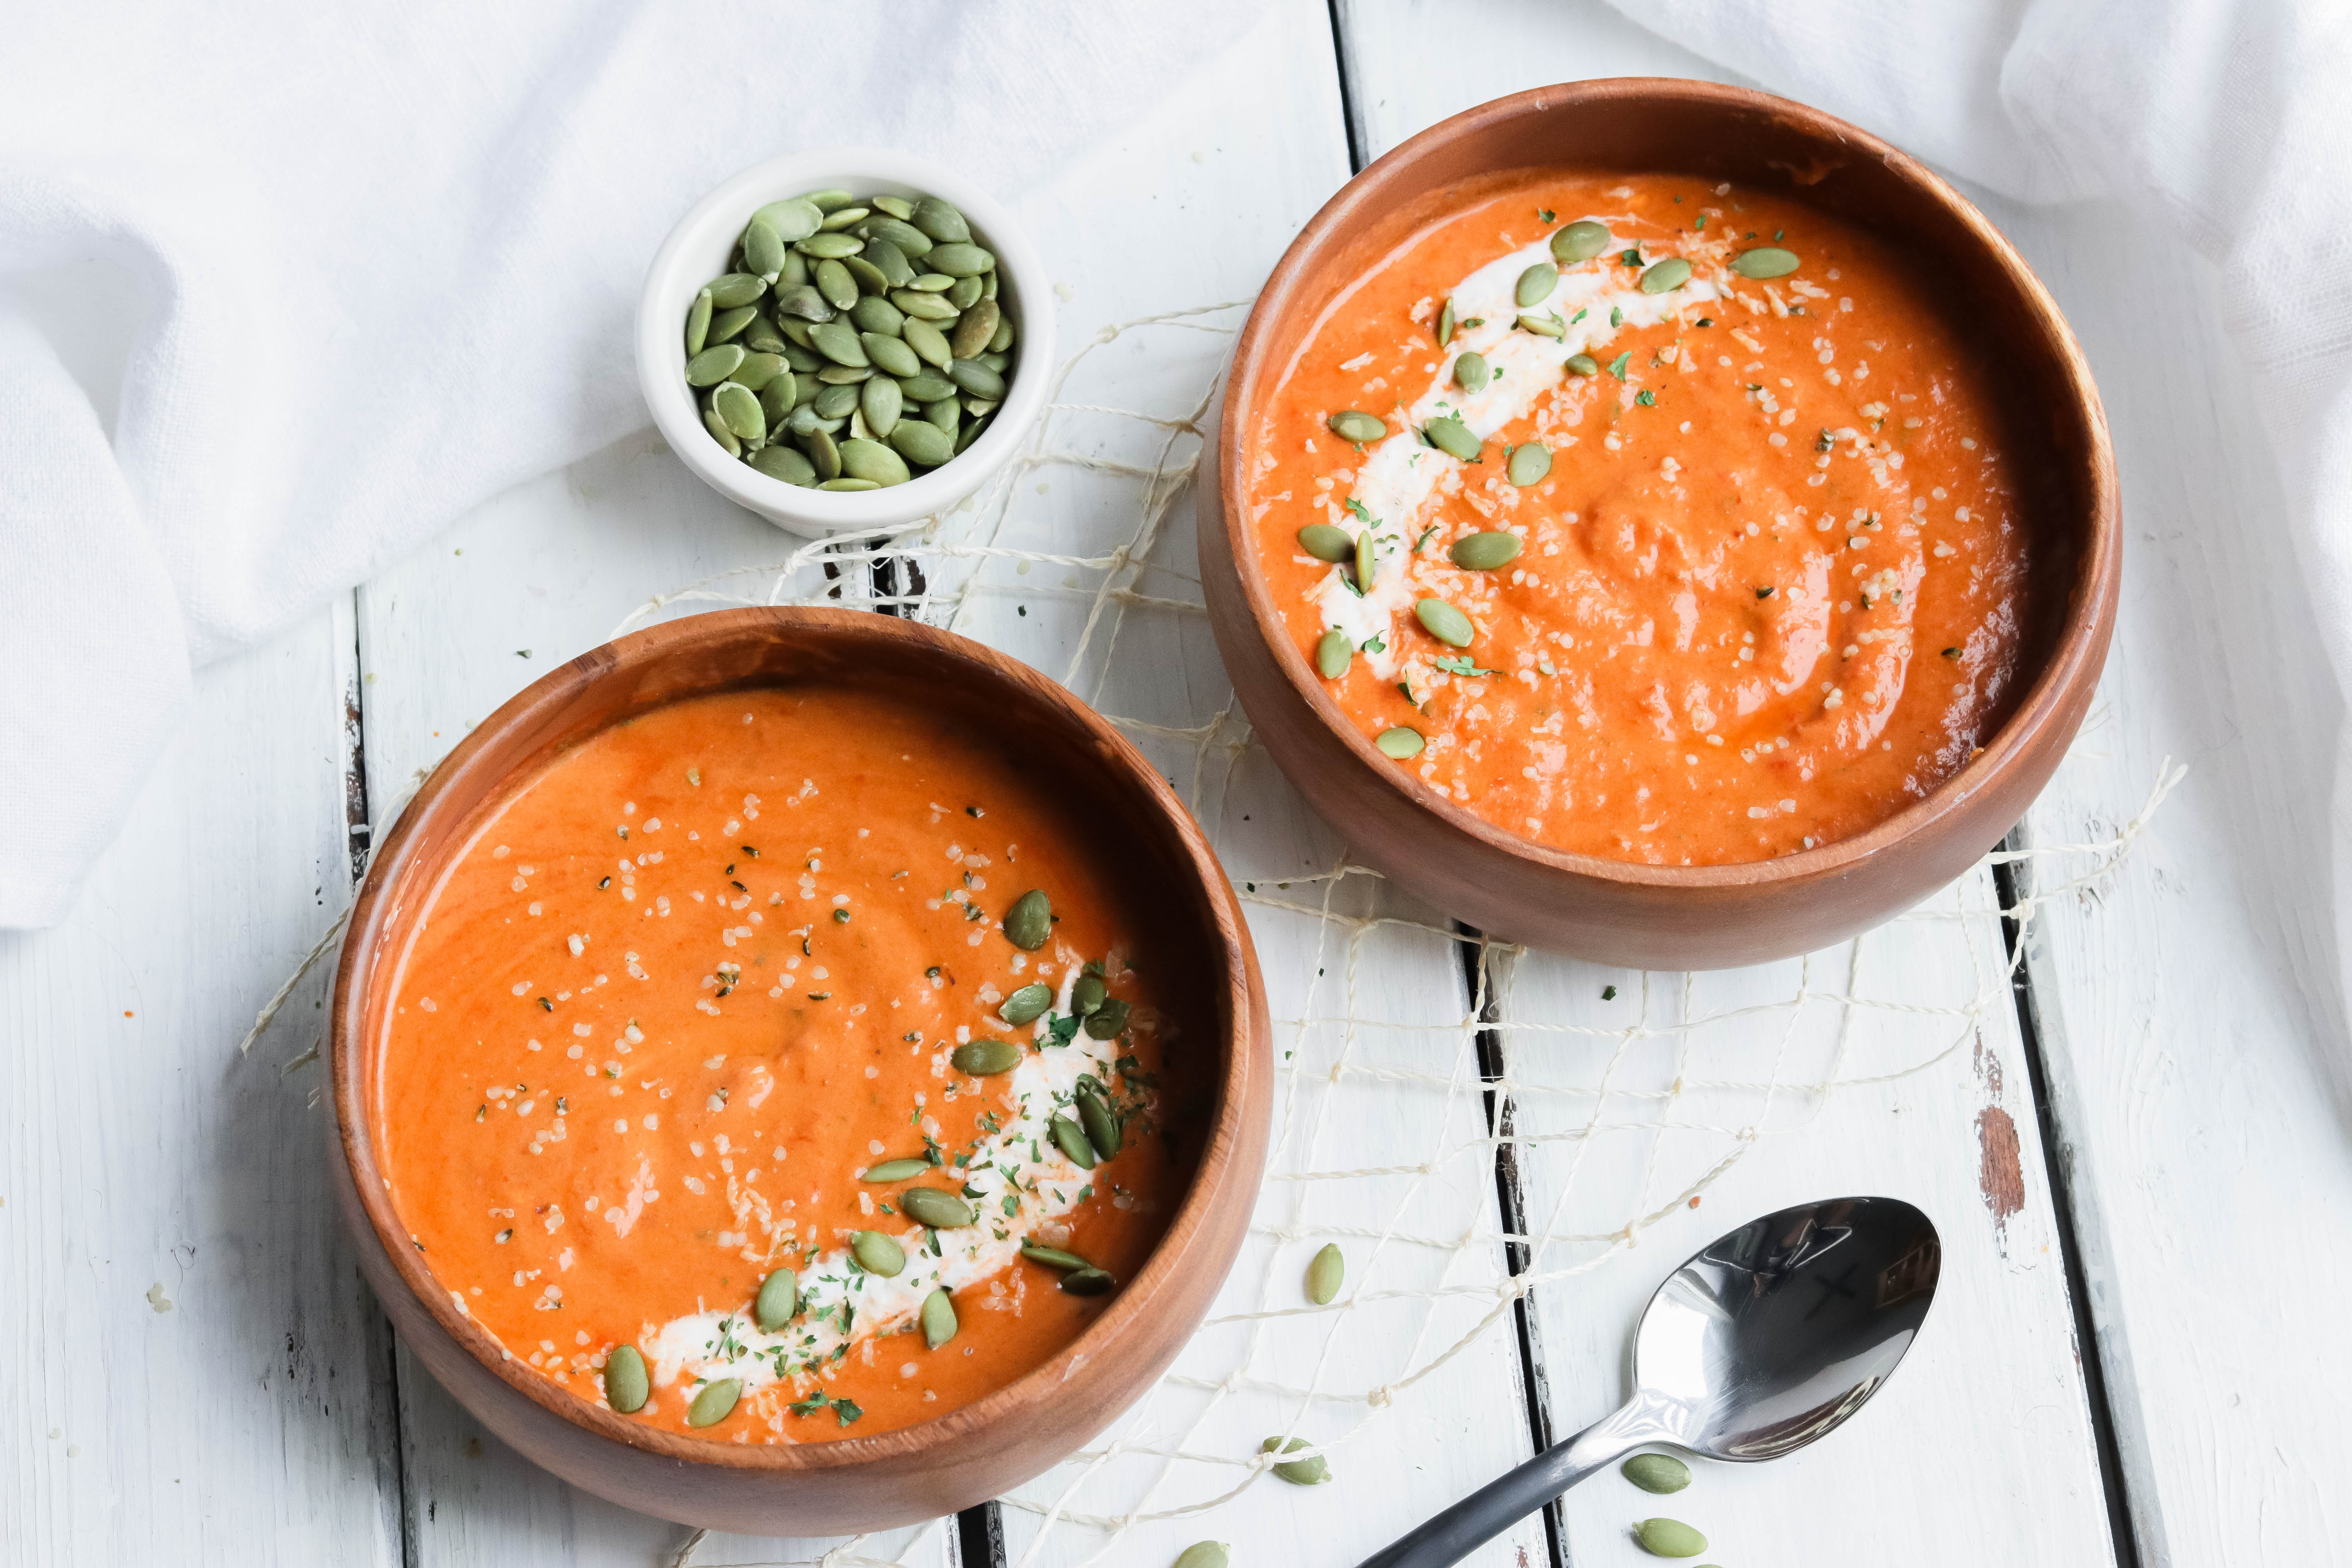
x=697, y=250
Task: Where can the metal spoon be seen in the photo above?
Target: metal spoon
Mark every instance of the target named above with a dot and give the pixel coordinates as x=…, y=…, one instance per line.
x=1762, y=1343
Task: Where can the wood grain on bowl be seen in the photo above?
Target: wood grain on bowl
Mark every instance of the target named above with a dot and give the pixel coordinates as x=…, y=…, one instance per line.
x=769, y=1477
x=1671, y=823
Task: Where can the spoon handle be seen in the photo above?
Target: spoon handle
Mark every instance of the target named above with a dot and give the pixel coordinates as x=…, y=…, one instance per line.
x=1448, y=1537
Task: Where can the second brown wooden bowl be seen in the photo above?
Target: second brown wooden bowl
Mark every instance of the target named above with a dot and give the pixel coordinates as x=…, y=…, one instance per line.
x=970, y=1454
x=1674, y=917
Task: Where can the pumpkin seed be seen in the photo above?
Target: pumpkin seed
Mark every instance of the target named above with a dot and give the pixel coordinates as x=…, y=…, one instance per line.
x=1108, y=1021
x=757, y=370
x=1071, y=1138
x=926, y=387
x=838, y=340
x=1333, y=653
x=833, y=281
x=877, y=1254
x=891, y=354
x=1470, y=371
x=1536, y=284
x=1051, y=1256
x=842, y=217
x=897, y=206
x=939, y=1319
x=1003, y=338
x=1669, y=1537
x=870, y=278
x=928, y=307
x=1665, y=277
x=938, y=1210
x=960, y=260
x=1311, y=1472
x=1445, y=324
x=736, y=289
x=917, y=244
x=985, y=1058
x=1204, y=1554
x=874, y=314
x=1400, y=743
x=1355, y=424
x=977, y=330
x=930, y=344
x=764, y=248
x=714, y=364
x=1452, y=437
x=734, y=403
x=889, y=261
x=827, y=246
x=1367, y=560
x=1486, y=551
x=946, y=412
x=976, y=378
x=795, y=272
x=715, y=1402
x=1583, y=364
x=1325, y=543
x=1088, y=993
x=762, y=338
x=1544, y=326
x=863, y=458
x=1027, y=1004
x=779, y=397
x=823, y=453
x=627, y=1386
x=1102, y=1129
x=783, y=463
x=971, y=434
x=829, y=201
x=723, y=436
x=1580, y=241
x=897, y=1170
x=1765, y=262
x=779, y=1298
x=923, y=442
x=844, y=375
x=727, y=323
x=698, y=323
x=881, y=401
x=1030, y=920
x=940, y=221
x=1325, y=1273
x=1087, y=1282
x=804, y=360
x=804, y=302
x=849, y=485
x=930, y=282
x=1529, y=464
x=1444, y=622
x=1658, y=1473
x=835, y=402
x=793, y=220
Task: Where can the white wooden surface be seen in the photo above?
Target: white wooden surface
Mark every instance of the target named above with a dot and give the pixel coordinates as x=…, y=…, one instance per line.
x=2189, y=1010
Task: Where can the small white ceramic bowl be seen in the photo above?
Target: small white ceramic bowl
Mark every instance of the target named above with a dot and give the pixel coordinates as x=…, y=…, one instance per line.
x=698, y=249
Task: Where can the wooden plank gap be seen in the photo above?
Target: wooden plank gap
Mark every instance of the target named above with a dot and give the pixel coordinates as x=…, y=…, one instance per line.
x=1351, y=115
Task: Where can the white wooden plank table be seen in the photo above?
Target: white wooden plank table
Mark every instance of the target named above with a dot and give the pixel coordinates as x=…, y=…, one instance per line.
x=190, y=1372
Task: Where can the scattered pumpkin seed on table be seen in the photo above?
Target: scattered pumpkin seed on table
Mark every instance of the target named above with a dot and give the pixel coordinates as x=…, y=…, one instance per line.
x=1308, y=1472
x=882, y=311
x=1668, y=1538
x=1204, y=1554
x=1659, y=1473
x=1324, y=1274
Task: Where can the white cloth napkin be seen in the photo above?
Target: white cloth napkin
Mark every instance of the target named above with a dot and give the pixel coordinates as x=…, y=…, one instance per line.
x=376, y=264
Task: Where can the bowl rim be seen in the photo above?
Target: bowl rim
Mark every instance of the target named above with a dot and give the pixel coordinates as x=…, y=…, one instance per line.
x=2080, y=647
x=376, y=909
x=677, y=270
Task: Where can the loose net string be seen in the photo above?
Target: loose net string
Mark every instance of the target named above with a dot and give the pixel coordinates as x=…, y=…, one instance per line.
x=1413, y=1054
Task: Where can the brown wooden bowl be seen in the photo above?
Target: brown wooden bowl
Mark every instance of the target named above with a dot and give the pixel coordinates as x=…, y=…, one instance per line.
x=1660, y=917
x=967, y=1454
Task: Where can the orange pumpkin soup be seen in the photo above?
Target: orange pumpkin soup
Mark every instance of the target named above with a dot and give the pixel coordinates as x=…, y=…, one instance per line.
x=735, y=1067
x=1647, y=518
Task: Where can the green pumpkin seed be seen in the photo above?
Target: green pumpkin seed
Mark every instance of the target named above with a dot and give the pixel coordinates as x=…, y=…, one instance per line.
x=1204, y=1554
x=1071, y=1138
x=1087, y=1282
x=966, y=292
x=778, y=398
x=1367, y=560
x=923, y=442
x=835, y=402
x=928, y=307
x=1355, y=424
x=1333, y=653
x=713, y=365
x=960, y=260
x=828, y=201
x=736, y=289
x=804, y=302
x=880, y=401
x=889, y=261
x=735, y=403
x=873, y=314
x=823, y=453
x=939, y=1319
x=727, y=323
x=926, y=387
x=1470, y=371
x=869, y=459
x=1325, y=1273
x=1325, y=543
x=985, y=1058
x=1087, y=994
x=826, y=246
x=1765, y=262
x=871, y=281
x=988, y=284
x=1452, y=437
x=940, y=221
x=976, y=378
x=757, y=370
x=1108, y=1021
x=1669, y=1537
x=1030, y=920
x=842, y=217
x=1580, y=241
x=1051, y=1256
x=764, y=248
x=1003, y=338
x=1536, y=284
x=931, y=282
x=793, y=220
x=930, y=343
x=849, y=485
x=1444, y=622
x=627, y=1386
x=1665, y=277
x=1544, y=326
x=937, y=1209
x=761, y=337
x=715, y=1402
x=844, y=375
x=947, y=413
x=897, y=1170
x=779, y=1298
x=783, y=463
x=1400, y=743
x=698, y=323
x=1583, y=364
x=1486, y=551
x=1529, y=464
x=1311, y=1472
x=1027, y=1004
x=977, y=330
x=719, y=432
x=799, y=355
x=877, y=1254
x=917, y=244
x=833, y=281
x=1102, y=1129
x=795, y=272
x=891, y=354
x=897, y=206
x=1659, y=1473
x=838, y=340
x=1445, y=324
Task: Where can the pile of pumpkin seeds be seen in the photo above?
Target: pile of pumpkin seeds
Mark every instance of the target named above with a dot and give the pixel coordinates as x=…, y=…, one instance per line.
x=857, y=341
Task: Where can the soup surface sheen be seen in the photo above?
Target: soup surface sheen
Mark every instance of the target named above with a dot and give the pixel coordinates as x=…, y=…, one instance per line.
x=696, y=978
x=1770, y=588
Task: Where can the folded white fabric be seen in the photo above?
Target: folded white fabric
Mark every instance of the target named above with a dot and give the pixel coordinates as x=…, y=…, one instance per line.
x=382, y=263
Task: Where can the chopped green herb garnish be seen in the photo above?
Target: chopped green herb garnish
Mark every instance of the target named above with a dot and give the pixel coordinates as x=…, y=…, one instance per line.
x=1617, y=366
x=1646, y=398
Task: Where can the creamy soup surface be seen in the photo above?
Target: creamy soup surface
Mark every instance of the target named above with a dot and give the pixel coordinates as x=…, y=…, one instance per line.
x=682, y=999
x=1704, y=547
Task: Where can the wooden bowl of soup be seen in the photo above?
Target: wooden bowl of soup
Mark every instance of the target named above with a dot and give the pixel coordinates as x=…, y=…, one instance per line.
x=797, y=1072
x=1659, y=522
